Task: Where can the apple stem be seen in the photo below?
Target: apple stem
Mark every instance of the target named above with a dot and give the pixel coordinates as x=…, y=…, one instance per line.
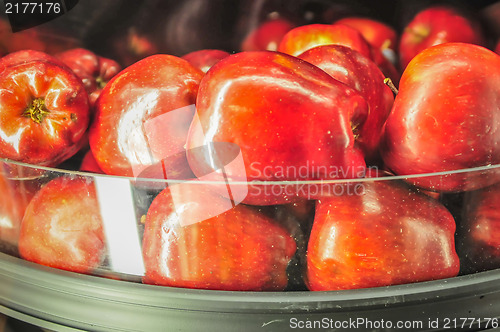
x=37, y=110
x=388, y=82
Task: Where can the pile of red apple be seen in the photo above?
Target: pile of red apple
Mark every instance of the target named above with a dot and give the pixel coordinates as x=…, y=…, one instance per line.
x=299, y=136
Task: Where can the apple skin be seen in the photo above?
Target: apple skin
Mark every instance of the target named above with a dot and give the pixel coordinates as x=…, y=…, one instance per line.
x=45, y=107
x=303, y=38
x=267, y=36
x=144, y=91
x=477, y=242
x=378, y=34
x=240, y=249
x=89, y=164
x=25, y=56
x=94, y=71
x=205, y=59
x=62, y=226
x=284, y=114
x=445, y=118
x=360, y=73
x=15, y=195
x=385, y=236
x=433, y=26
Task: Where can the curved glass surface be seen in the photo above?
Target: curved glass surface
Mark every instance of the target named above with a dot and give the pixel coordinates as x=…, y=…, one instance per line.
x=201, y=234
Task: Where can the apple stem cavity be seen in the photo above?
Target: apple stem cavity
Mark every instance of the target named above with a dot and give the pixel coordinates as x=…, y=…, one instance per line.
x=37, y=110
x=101, y=83
x=388, y=82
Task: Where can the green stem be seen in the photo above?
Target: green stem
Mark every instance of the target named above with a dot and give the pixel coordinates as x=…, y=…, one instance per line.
x=37, y=110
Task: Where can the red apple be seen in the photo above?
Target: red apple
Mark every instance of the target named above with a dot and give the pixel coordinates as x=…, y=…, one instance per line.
x=25, y=56
x=89, y=164
x=360, y=73
x=205, y=59
x=44, y=113
x=267, y=36
x=62, y=226
x=445, y=118
x=94, y=71
x=386, y=235
x=288, y=119
x=433, y=26
x=378, y=34
x=15, y=194
x=477, y=242
x=143, y=115
x=303, y=38
x=186, y=244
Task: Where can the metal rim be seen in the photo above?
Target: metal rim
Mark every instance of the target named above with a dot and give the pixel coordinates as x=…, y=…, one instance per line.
x=86, y=286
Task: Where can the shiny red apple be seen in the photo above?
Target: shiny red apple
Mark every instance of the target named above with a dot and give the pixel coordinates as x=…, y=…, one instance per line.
x=303, y=38
x=445, y=118
x=94, y=71
x=386, y=235
x=197, y=239
x=89, y=164
x=378, y=34
x=360, y=73
x=25, y=56
x=287, y=120
x=143, y=115
x=437, y=25
x=44, y=113
x=205, y=59
x=62, y=226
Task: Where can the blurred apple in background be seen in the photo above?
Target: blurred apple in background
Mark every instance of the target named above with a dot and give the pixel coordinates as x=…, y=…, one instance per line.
x=267, y=36
x=437, y=25
x=303, y=38
x=205, y=59
x=378, y=34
